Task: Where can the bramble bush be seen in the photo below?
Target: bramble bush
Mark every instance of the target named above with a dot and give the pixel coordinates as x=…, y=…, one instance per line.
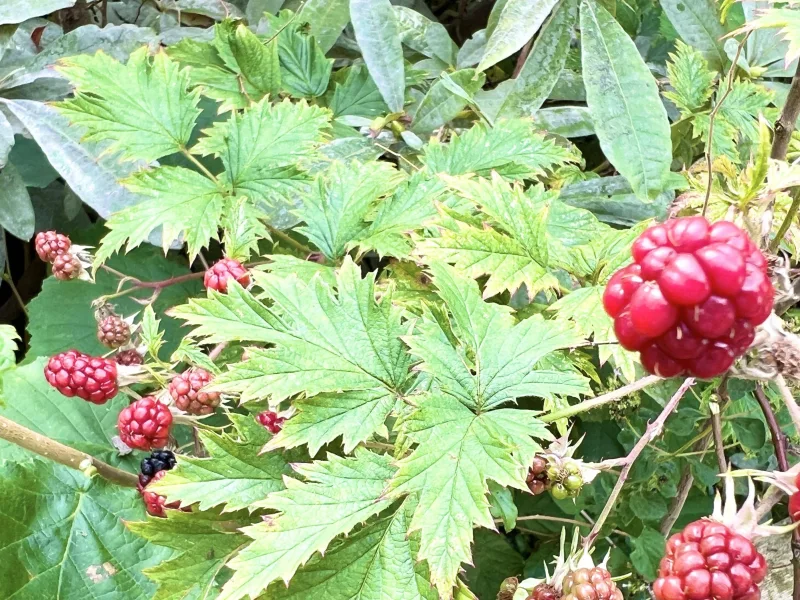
x=399, y=299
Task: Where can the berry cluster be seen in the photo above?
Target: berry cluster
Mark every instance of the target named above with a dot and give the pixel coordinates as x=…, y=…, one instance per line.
x=590, y=584
x=692, y=298
x=226, y=269
x=160, y=460
x=113, y=331
x=129, y=357
x=55, y=248
x=563, y=480
x=271, y=421
x=185, y=390
x=709, y=561
x=154, y=503
x=89, y=377
x=145, y=424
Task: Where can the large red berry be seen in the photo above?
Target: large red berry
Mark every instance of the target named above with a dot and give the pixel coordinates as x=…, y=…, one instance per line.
x=89, y=377
x=113, y=332
x=709, y=561
x=590, y=584
x=145, y=424
x=50, y=244
x=217, y=277
x=691, y=300
x=271, y=421
x=66, y=267
x=154, y=503
x=186, y=388
x=794, y=506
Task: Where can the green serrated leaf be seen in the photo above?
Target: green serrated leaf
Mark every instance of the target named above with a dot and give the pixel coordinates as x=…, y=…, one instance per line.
x=458, y=453
x=305, y=71
x=63, y=534
x=235, y=475
x=152, y=336
x=630, y=119
x=242, y=230
x=8, y=347
x=502, y=504
x=340, y=493
x=440, y=105
x=690, y=78
x=648, y=548
x=181, y=202
x=285, y=265
x=355, y=93
x=143, y=107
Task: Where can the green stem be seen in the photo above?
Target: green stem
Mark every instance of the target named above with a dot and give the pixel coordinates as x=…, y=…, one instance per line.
x=787, y=222
x=601, y=400
x=289, y=240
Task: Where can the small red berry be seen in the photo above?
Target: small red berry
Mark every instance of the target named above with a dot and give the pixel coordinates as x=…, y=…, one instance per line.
x=50, y=244
x=66, y=267
x=154, y=503
x=145, y=424
x=590, y=584
x=89, y=377
x=271, y=421
x=696, y=299
x=544, y=591
x=113, y=331
x=186, y=390
x=129, y=357
x=709, y=561
x=217, y=277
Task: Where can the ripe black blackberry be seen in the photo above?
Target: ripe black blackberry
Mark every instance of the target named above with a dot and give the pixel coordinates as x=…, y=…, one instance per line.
x=160, y=460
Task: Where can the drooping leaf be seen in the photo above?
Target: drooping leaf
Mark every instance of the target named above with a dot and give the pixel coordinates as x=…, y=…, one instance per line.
x=143, y=107
x=235, y=474
x=425, y=36
x=17, y=11
x=181, y=202
x=379, y=39
x=544, y=64
x=8, y=347
x=698, y=24
x=515, y=22
x=63, y=534
x=335, y=210
x=355, y=93
x=327, y=19
x=629, y=117
x=440, y=104
x=787, y=19
x=206, y=541
x=340, y=493
x=16, y=210
x=458, y=453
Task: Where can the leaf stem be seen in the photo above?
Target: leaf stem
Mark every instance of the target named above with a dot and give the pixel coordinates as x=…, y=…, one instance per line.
x=561, y=520
x=652, y=431
x=289, y=240
x=200, y=166
x=58, y=452
x=601, y=400
x=787, y=221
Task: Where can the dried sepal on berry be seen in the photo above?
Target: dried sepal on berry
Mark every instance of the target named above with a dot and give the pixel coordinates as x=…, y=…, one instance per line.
x=743, y=520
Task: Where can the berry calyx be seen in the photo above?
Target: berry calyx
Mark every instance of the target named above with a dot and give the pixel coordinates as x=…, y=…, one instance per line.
x=709, y=561
x=154, y=503
x=160, y=460
x=271, y=421
x=113, y=331
x=89, y=377
x=692, y=299
x=145, y=424
x=186, y=391
x=129, y=357
x=226, y=269
x=590, y=584
x=66, y=267
x=50, y=244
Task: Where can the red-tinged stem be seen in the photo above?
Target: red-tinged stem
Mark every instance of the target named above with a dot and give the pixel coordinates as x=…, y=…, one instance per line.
x=44, y=446
x=653, y=430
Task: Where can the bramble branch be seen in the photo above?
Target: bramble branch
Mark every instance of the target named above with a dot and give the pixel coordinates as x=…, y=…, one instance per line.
x=653, y=430
x=601, y=400
x=784, y=126
x=58, y=452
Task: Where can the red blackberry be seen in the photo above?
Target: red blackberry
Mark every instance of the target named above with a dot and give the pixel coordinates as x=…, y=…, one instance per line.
x=709, y=561
x=129, y=357
x=217, y=277
x=113, y=332
x=145, y=424
x=271, y=421
x=544, y=591
x=692, y=298
x=154, y=503
x=50, y=244
x=66, y=267
x=590, y=584
x=76, y=374
x=186, y=388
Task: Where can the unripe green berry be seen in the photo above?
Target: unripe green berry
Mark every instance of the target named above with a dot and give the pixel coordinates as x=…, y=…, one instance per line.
x=573, y=483
x=553, y=473
x=559, y=492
